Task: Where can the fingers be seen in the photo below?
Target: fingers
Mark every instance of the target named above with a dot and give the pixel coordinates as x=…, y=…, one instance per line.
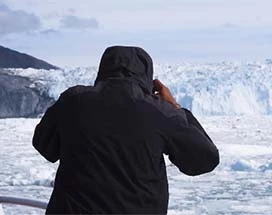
x=158, y=85
x=165, y=93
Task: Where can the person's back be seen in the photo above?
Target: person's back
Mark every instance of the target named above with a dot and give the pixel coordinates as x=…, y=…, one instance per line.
x=111, y=138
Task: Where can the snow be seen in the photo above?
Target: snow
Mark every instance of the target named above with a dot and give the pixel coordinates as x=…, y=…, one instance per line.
x=241, y=184
x=226, y=88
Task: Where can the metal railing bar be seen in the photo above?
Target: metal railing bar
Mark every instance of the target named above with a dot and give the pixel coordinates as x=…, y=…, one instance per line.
x=23, y=201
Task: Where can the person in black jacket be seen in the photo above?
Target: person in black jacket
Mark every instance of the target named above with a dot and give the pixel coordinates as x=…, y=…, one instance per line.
x=110, y=139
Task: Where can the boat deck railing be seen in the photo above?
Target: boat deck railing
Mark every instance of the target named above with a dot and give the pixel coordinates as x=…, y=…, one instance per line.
x=21, y=201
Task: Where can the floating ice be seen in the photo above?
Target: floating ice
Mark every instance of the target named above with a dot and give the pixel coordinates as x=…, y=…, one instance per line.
x=266, y=167
x=242, y=165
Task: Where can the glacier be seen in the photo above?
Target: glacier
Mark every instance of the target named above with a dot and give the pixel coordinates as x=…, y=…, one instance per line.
x=225, y=88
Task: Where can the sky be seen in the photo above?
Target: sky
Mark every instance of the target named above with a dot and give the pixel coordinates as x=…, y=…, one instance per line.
x=75, y=33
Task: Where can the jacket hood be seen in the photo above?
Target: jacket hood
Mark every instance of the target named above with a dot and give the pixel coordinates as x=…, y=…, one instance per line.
x=128, y=63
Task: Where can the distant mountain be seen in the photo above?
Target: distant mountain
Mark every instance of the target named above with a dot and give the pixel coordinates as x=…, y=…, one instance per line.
x=13, y=59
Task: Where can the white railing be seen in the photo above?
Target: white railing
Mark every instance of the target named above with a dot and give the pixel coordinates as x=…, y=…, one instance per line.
x=21, y=201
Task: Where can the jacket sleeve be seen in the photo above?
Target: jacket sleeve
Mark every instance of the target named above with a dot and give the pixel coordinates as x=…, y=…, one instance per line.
x=189, y=147
x=46, y=136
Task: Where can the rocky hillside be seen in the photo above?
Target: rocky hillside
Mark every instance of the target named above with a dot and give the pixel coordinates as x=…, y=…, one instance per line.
x=19, y=98
x=13, y=59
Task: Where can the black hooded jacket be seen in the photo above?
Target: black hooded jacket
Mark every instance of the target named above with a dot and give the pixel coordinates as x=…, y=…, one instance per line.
x=110, y=139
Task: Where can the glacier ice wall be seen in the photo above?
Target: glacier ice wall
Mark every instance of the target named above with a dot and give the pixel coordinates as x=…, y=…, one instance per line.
x=221, y=89
x=207, y=89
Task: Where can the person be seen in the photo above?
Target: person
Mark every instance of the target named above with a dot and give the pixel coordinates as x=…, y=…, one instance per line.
x=110, y=139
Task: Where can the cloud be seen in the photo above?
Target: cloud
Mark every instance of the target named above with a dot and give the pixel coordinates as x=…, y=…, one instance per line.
x=73, y=22
x=49, y=32
x=72, y=10
x=229, y=25
x=17, y=21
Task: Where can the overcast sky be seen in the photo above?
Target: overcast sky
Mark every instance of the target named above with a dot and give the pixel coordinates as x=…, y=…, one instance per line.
x=75, y=33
